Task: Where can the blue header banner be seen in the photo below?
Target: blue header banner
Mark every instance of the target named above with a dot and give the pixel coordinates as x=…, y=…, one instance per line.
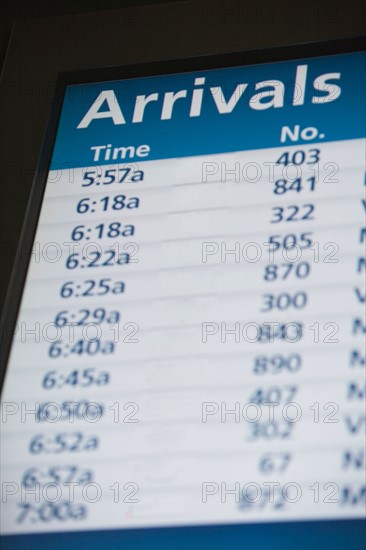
x=216, y=111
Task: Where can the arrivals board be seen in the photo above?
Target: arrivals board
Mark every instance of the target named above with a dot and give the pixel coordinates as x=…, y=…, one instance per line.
x=188, y=360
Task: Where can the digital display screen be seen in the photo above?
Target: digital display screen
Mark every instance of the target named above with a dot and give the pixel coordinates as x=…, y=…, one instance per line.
x=188, y=363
